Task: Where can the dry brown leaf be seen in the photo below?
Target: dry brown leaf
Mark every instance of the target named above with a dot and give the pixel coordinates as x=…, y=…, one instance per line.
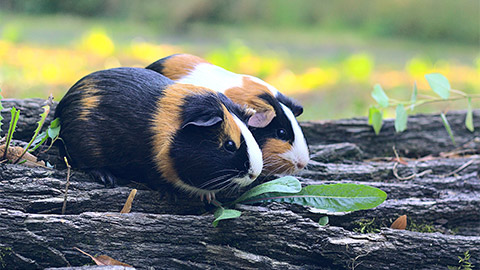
x=400, y=223
x=14, y=152
x=128, y=204
x=103, y=259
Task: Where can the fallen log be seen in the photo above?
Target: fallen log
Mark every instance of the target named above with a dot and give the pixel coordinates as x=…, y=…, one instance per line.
x=440, y=190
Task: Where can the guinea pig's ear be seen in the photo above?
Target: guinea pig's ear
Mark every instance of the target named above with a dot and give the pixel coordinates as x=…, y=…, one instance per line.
x=290, y=103
x=203, y=121
x=261, y=119
x=297, y=110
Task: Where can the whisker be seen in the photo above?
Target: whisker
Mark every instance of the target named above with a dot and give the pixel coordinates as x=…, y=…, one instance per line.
x=213, y=180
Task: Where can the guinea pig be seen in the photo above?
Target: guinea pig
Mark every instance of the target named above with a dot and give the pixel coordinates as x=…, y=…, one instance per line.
x=135, y=124
x=274, y=125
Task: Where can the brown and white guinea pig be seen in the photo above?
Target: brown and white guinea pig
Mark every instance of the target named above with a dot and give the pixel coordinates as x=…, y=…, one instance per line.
x=135, y=124
x=274, y=125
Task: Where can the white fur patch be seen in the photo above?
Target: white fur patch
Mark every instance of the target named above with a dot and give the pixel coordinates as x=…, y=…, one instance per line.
x=213, y=77
x=299, y=151
x=219, y=79
x=254, y=155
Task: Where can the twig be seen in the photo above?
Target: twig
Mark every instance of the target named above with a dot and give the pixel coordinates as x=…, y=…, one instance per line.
x=468, y=163
x=413, y=175
x=64, y=207
x=354, y=261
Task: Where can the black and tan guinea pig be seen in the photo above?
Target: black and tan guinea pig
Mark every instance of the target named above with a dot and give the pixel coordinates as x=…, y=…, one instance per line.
x=274, y=125
x=135, y=124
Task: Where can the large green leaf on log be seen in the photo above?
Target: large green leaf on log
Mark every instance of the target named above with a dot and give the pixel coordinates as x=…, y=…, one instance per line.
x=334, y=197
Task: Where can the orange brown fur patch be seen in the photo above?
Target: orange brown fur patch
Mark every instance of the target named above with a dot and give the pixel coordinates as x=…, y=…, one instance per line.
x=249, y=94
x=273, y=161
x=232, y=131
x=167, y=122
x=89, y=99
x=180, y=65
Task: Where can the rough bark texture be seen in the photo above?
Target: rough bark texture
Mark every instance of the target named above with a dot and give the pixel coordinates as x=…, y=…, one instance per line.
x=442, y=194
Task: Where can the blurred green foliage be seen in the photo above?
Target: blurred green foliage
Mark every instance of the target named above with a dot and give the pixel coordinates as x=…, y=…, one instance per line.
x=456, y=21
x=326, y=54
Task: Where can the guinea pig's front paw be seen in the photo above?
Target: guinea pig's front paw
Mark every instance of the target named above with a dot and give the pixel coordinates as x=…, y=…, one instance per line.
x=104, y=176
x=210, y=196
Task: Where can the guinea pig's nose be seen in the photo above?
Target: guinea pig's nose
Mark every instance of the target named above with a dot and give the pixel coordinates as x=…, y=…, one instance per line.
x=252, y=175
x=301, y=165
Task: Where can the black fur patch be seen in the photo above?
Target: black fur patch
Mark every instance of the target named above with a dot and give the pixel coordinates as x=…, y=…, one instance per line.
x=234, y=108
x=117, y=135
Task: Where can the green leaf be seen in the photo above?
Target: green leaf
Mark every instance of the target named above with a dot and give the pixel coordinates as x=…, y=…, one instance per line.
x=43, y=116
x=371, y=110
x=41, y=138
x=375, y=119
x=15, y=114
x=334, y=197
x=55, y=123
x=448, y=128
x=222, y=213
x=379, y=95
x=413, y=99
x=53, y=132
x=400, y=118
x=439, y=84
x=469, y=118
x=323, y=220
x=287, y=184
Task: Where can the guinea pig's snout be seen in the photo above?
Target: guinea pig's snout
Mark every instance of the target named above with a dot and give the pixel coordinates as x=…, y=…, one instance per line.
x=251, y=173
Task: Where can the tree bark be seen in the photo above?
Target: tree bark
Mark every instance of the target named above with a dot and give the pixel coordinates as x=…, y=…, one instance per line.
x=440, y=190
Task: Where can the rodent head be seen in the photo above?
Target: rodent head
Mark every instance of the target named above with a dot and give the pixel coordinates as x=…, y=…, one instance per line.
x=274, y=125
x=201, y=141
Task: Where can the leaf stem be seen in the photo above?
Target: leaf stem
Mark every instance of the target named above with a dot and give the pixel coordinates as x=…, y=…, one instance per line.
x=459, y=92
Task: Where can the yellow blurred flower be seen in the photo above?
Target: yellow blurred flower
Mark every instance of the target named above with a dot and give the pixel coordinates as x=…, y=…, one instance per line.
x=147, y=52
x=4, y=49
x=418, y=67
x=358, y=67
x=316, y=77
x=98, y=42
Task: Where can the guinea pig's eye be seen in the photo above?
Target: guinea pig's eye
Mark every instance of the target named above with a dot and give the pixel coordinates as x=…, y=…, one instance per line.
x=282, y=133
x=230, y=146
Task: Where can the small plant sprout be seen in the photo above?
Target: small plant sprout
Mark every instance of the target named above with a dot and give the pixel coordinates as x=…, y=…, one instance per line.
x=439, y=84
x=52, y=132
x=46, y=110
x=16, y=154
x=323, y=221
x=464, y=263
x=15, y=114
